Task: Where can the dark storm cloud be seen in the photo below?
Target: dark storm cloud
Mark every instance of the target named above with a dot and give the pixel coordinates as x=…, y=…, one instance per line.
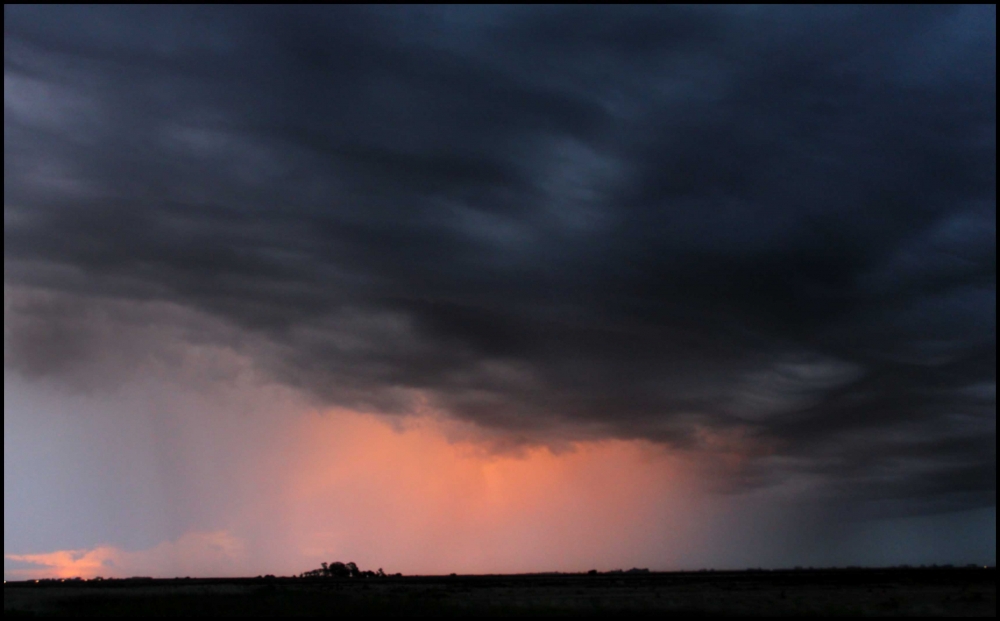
x=588, y=222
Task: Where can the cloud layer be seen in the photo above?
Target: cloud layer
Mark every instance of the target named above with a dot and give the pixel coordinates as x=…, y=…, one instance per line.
x=208, y=554
x=673, y=224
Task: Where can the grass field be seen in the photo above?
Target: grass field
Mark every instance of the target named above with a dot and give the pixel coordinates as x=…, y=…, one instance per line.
x=955, y=592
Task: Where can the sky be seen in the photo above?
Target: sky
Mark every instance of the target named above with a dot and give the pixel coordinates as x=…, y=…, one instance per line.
x=498, y=288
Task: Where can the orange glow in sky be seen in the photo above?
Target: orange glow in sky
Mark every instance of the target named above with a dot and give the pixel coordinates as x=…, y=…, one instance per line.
x=362, y=488
x=401, y=495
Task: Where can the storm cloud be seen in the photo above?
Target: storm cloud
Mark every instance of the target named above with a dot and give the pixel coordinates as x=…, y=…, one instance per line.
x=768, y=226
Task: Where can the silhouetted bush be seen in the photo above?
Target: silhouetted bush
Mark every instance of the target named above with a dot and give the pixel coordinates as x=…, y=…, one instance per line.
x=342, y=570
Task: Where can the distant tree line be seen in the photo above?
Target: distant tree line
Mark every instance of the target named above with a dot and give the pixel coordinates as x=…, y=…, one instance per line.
x=343, y=570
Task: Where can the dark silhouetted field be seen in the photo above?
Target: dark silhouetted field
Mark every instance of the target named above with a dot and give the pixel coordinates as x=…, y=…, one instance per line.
x=898, y=592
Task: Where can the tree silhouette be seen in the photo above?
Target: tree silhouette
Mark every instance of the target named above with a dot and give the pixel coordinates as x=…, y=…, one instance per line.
x=342, y=570
x=339, y=570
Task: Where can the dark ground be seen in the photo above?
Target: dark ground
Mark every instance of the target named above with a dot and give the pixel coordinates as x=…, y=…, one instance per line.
x=897, y=592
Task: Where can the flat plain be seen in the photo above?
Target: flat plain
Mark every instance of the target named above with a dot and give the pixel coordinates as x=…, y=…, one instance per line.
x=893, y=592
